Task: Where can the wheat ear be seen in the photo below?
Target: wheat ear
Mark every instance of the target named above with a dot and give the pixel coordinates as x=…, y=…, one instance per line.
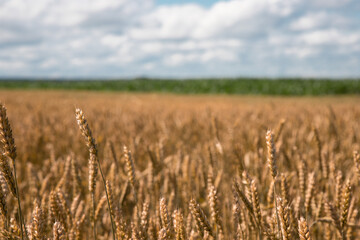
x=271, y=160
x=284, y=219
x=111, y=202
x=90, y=142
x=304, y=233
x=279, y=129
x=214, y=209
x=144, y=219
x=38, y=224
x=3, y=207
x=200, y=218
x=58, y=231
x=309, y=192
x=9, y=150
x=322, y=162
x=130, y=170
x=356, y=157
x=256, y=206
x=346, y=197
x=237, y=190
x=179, y=225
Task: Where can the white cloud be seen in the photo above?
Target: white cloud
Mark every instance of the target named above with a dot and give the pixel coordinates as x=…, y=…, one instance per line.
x=177, y=59
x=310, y=21
x=173, y=22
x=49, y=63
x=301, y=52
x=330, y=36
x=12, y=65
x=127, y=37
x=330, y=3
x=113, y=41
x=317, y=20
x=224, y=16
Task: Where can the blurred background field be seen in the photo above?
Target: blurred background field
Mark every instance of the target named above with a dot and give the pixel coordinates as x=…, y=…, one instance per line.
x=199, y=86
x=182, y=146
x=53, y=111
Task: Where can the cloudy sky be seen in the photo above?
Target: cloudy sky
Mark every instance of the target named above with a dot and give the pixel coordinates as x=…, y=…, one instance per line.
x=179, y=38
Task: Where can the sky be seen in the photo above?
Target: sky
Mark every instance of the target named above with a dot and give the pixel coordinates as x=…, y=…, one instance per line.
x=179, y=38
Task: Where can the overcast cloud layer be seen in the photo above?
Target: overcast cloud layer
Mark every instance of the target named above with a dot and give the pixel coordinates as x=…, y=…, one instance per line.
x=129, y=38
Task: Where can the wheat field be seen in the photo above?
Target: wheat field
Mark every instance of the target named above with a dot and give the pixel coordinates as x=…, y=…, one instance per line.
x=151, y=166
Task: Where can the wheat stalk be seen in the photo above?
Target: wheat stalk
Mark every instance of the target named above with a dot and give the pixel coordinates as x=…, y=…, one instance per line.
x=93, y=164
x=9, y=150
